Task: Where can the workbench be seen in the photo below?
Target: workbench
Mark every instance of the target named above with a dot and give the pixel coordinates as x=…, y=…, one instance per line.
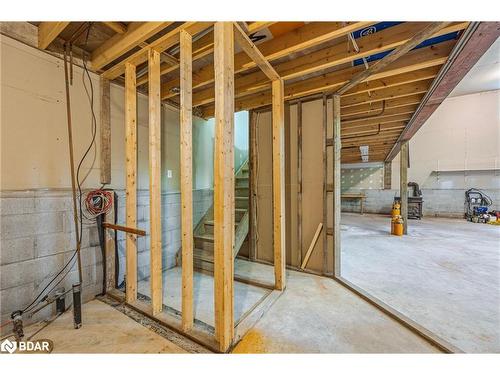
x=354, y=196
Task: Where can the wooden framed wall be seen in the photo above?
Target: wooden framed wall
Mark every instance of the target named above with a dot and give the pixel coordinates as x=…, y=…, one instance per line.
x=225, y=332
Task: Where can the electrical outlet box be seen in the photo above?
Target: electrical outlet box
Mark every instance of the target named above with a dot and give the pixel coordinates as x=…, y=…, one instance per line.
x=169, y=173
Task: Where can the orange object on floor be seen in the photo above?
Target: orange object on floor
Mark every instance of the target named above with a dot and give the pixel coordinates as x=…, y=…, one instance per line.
x=398, y=228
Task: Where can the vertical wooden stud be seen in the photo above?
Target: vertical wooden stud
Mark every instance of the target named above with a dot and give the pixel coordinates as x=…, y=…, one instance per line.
x=155, y=180
x=131, y=184
x=278, y=184
x=337, y=146
x=105, y=130
x=252, y=129
x=325, y=178
x=403, y=184
x=224, y=183
x=299, y=182
x=186, y=136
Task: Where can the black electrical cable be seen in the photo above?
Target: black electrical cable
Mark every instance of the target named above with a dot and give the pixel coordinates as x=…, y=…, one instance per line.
x=92, y=143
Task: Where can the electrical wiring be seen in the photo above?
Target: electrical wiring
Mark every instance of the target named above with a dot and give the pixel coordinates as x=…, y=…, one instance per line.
x=36, y=300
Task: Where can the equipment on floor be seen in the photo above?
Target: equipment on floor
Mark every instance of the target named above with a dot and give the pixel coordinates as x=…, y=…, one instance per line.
x=476, y=206
x=415, y=202
x=397, y=220
x=77, y=306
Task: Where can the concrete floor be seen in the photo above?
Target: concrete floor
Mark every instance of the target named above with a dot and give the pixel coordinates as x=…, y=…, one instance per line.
x=313, y=315
x=317, y=315
x=245, y=296
x=104, y=330
x=445, y=274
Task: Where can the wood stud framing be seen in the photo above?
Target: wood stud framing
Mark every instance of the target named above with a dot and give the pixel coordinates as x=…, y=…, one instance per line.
x=337, y=146
x=131, y=181
x=224, y=184
x=325, y=178
x=278, y=184
x=155, y=181
x=399, y=84
x=186, y=160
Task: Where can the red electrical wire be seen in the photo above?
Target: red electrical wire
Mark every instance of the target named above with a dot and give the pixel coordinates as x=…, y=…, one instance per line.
x=98, y=201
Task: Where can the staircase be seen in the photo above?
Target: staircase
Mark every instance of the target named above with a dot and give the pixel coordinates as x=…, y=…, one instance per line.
x=203, y=253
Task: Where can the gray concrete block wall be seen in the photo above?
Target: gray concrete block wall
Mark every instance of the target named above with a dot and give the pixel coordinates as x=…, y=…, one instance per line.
x=171, y=227
x=437, y=202
x=37, y=238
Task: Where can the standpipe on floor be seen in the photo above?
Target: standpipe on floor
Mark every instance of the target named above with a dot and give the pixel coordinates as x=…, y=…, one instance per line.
x=77, y=306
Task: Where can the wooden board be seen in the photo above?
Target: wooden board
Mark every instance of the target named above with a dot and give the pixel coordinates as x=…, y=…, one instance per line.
x=279, y=185
x=155, y=181
x=131, y=181
x=186, y=160
x=224, y=184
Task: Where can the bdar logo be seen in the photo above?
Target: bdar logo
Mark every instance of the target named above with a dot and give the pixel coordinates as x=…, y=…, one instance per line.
x=8, y=346
x=39, y=346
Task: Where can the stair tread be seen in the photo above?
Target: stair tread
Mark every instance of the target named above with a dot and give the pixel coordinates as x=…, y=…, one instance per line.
x=206, y=236
x=211, y=222
x=203, y=254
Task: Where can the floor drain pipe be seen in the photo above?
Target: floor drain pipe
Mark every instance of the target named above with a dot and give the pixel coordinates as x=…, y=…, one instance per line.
x=77, y=305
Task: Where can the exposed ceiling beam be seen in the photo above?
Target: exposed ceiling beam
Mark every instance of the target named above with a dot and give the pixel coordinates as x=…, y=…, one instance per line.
x=117, y=27
x=299, y=39
x=257, y=81
x=254, y=27
x=375, y=129
x=474, y=43
x=388, y=93
x=397, y=90
x=161, y=44
x=48, y=31
x=370, y=108
x=201, y=47
x=374, y=121
x=253, y=52
x=395, y=54
x=120, y=44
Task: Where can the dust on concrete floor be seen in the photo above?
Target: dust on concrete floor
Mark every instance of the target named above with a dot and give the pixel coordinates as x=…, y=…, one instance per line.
x=445, y=274
x=245, y=296
x=104, y=330
x=317, y=315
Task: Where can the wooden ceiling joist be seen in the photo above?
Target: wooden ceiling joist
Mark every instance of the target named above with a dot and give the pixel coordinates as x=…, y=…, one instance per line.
x=254, y=27
x=370, y=108
x=201, y=47
x=422, y=58
x=117, y=27
x=395, y=54
x=48, y=31
x=388, y=93
x=330, y=57
x=120, y=44
x=253, y=52
x=161, y=44
x=367, y=123
x=262, y=99
x=299, y=39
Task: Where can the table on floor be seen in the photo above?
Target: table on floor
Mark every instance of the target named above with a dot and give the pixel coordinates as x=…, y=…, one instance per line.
x=355, y=196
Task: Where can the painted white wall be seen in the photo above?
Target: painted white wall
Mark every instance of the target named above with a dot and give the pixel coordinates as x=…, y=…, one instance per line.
x=459, y=145
x=33, y=131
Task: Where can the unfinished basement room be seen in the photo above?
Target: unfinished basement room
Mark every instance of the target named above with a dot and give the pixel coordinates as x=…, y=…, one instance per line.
x=249, y=186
